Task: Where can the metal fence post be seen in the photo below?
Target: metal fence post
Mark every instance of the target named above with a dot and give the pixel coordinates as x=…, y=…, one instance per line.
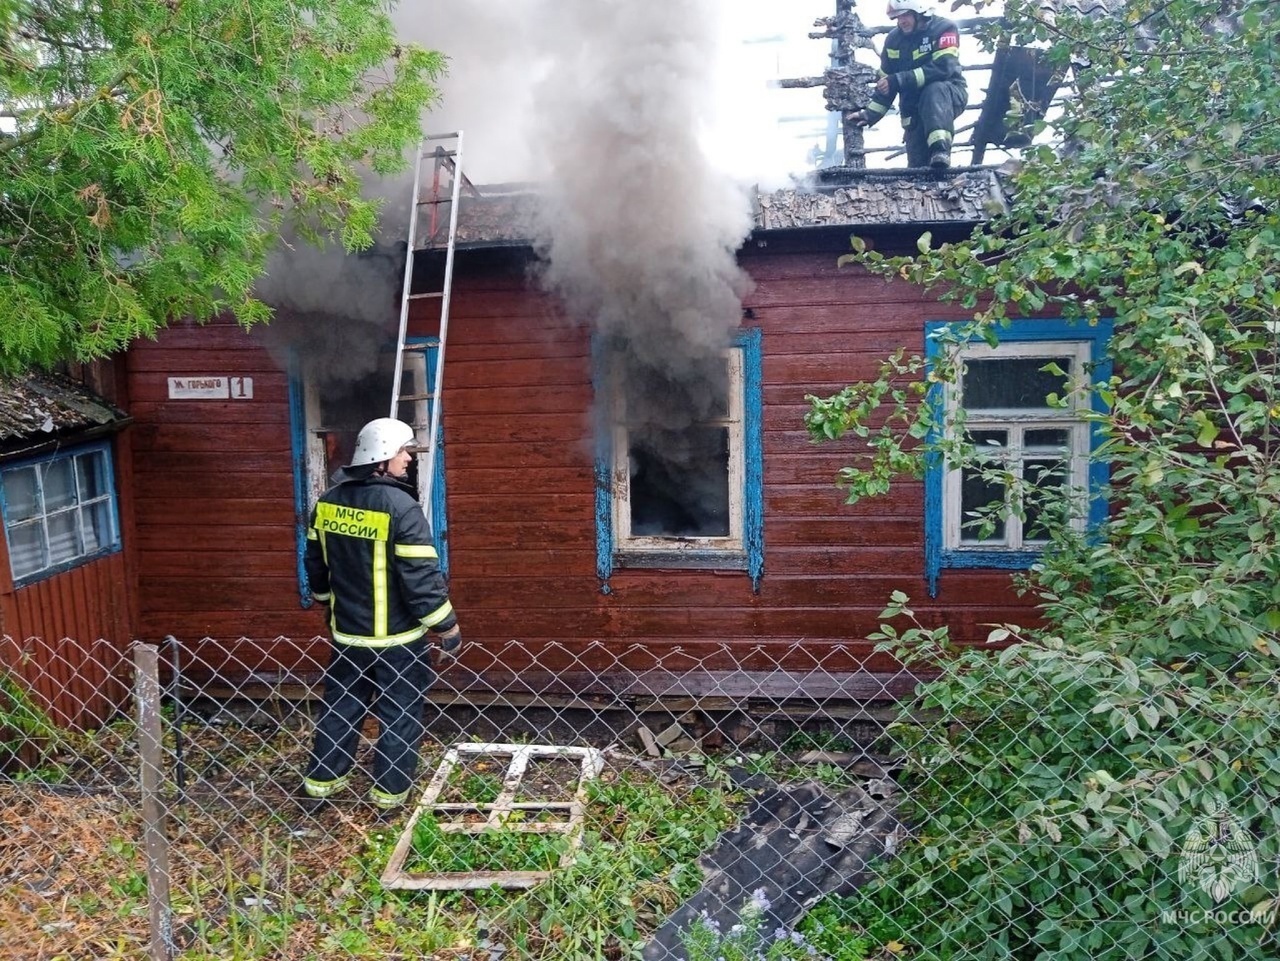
x=146, y=658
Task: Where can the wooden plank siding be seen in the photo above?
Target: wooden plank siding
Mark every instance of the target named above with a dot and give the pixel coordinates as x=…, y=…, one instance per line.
x=66, y=637
x=215, y=516
x=213, y=491
x=521, y=485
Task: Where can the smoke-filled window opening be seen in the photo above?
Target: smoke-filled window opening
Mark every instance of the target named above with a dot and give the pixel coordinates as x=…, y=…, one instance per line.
x=340, y=401
x=678, y=452
x=328, y=406
x=675, y=417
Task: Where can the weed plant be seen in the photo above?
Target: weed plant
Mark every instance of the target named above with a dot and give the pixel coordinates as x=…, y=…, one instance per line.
x=638, y=861
x=494, y=849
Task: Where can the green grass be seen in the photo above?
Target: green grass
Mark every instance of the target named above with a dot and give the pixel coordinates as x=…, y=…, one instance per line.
x=439, y=852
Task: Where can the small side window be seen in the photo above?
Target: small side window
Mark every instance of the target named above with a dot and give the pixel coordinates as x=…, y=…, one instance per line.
x=59, y=512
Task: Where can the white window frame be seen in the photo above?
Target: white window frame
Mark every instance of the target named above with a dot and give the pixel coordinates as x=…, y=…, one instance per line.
x=107, y=543
x=624, y=542
x=1017, y=421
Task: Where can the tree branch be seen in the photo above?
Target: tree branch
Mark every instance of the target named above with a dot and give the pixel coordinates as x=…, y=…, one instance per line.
x=70, y=112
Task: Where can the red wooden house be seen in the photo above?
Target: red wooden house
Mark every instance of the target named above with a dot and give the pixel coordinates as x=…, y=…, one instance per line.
x=554, y=563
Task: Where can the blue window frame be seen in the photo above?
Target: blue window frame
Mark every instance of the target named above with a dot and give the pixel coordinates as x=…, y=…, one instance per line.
x=1023, y=432
x=59, y=511
x=309, y=460
x=740, y=546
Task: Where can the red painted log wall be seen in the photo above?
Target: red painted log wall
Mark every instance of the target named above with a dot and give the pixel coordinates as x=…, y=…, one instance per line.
x=214, y=491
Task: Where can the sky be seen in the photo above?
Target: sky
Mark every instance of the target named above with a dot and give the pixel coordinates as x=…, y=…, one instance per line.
x=753, y=131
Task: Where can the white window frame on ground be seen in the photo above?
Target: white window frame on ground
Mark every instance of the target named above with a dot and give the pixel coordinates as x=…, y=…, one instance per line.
x=958, y=531
x=83, y=521
x=671, y=549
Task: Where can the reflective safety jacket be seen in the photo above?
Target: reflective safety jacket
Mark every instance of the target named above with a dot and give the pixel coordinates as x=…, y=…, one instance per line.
x=371, y=559
x=911, y=61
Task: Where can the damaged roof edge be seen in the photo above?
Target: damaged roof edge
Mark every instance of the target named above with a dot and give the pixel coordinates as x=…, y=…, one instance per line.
x=41, y=408
x=841, y=198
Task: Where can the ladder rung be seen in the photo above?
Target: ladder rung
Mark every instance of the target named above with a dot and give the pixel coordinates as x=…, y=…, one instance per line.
x=430, y=296
x=442, y=136
x=418, y=346
x=404, y=397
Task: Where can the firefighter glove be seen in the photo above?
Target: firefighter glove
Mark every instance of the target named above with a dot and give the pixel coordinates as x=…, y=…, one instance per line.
x=451, y=640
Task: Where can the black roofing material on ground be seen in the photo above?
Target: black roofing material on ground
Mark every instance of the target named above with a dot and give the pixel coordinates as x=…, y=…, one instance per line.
x=796, y=843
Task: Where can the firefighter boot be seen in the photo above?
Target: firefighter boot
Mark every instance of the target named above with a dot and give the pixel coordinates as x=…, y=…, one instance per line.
x=939, y=149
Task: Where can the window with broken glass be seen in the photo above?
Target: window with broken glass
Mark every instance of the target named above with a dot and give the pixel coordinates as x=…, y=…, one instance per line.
x=59, y=512
x=1032, y=456
x=680, y=472
x=330, y=402
x=1022, y=408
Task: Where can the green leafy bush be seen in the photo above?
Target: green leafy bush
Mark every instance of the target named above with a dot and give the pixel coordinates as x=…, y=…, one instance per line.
x=1107, y=785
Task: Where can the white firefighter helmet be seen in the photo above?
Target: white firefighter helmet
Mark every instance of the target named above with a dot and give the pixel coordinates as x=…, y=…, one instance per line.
x=898, y=7
x=380, y=440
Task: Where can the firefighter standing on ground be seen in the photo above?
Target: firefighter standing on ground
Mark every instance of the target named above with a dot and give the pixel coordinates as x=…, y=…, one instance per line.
x=370, y=558
x=920, y=64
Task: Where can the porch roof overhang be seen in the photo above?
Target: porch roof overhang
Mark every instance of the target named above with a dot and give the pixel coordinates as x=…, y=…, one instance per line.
x=41, y=409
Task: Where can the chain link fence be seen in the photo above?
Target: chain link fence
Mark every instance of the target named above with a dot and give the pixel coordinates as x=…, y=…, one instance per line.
x=604, y=801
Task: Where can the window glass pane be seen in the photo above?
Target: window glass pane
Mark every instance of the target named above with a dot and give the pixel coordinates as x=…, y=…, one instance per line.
x=988, y=440
x=720, y=398
x=1012, y=382
x=680, y=483
x=96, y=526
x=64, y=543
x=1052, y=439
x=977, y=493
x=20, y=494
x=26, y=548
x=59, y=484
x=1045, y=503
x=91, y=474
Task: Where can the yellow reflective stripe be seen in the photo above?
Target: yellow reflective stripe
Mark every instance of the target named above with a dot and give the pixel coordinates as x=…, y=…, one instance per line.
x=352, y=521
x=876, y=107
x=316, y=595
x=918, y=73
x=416, y=550
x=438, y=615
x=384, y=800
x=893, y=54
x=946, y=52
x=316, y=788
x=379, y=588
x=324, y=549
x=355, y=640
x=938, y=135
x=312, y=535
x=917, y=54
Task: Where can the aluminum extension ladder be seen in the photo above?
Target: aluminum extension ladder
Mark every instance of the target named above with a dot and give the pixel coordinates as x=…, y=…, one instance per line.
x=445, y=151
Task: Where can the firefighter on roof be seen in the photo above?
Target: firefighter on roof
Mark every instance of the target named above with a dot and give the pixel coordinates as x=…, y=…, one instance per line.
x=370, y=558
x=920, y=65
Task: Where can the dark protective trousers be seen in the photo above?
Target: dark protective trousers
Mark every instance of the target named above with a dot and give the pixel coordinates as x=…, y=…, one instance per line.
x=935, y=117
x=396, y=680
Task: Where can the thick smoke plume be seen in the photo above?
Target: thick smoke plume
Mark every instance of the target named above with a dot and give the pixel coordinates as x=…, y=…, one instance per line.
x=601, y=105
x=636, y=229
